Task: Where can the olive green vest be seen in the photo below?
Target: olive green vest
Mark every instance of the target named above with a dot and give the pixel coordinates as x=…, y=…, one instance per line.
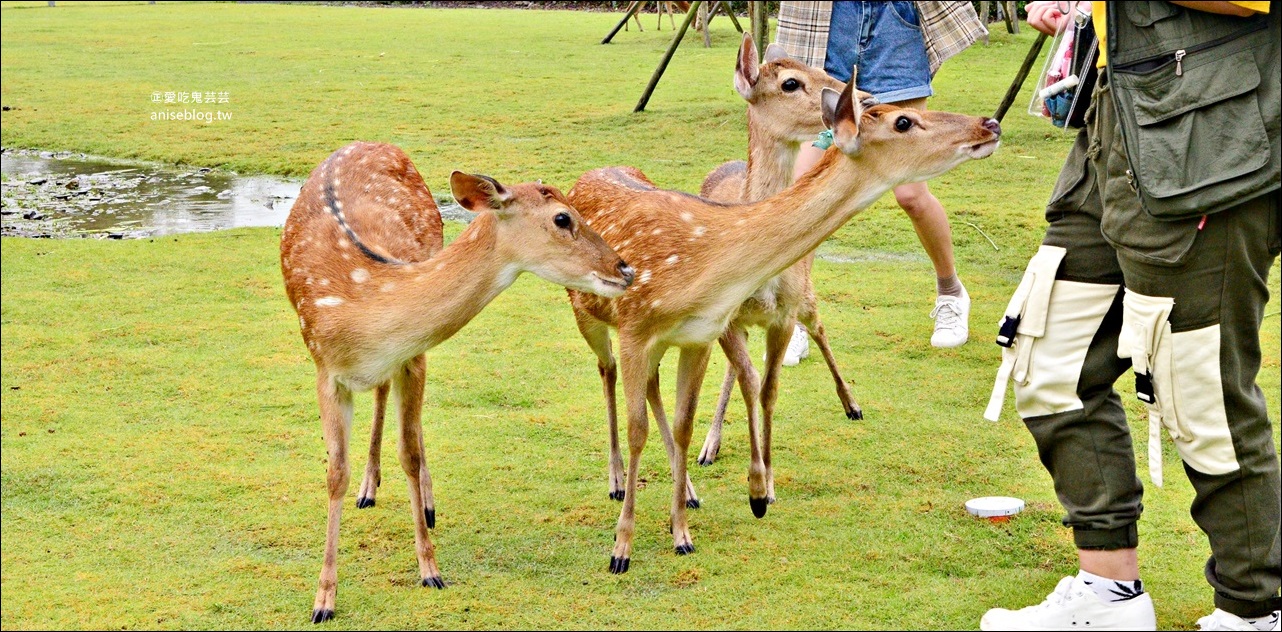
x=1199, y=101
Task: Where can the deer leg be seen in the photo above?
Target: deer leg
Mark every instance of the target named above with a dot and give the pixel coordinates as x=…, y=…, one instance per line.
x=597, y=335
x=660, y=418
x=409, y=401
x=336, y=420
x=712, y=443
x=690, y=372
x=739, y=365
x=639, y=360
x=810, y=318
x=777, y=337
x=735, y=344
x=373, y=475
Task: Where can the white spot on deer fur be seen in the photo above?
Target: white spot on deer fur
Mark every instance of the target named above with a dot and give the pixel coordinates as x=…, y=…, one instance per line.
x=671, y=260
x=324, y=281
x=360, y=275
x=440, y=266
x=699, y=231
x=337, y=203
x=343, y=243
x=329, y=301
x=302, y=324
x=346, y=256
x=643, y=277
x=388, y=287
x=687, y=216
x=655, y=303
x=741, y=222
x=656, y=231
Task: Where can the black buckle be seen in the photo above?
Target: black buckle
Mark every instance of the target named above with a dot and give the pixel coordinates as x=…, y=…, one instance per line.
x=1006, y=335
x=1144, y=388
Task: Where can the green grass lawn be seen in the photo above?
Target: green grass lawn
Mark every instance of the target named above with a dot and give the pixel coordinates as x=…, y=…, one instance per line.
x=162, y=461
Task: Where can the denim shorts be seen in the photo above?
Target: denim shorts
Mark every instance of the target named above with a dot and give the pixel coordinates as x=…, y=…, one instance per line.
x=884, y=39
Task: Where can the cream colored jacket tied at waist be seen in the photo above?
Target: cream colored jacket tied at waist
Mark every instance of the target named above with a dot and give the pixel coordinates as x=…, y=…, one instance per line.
x=948, y=28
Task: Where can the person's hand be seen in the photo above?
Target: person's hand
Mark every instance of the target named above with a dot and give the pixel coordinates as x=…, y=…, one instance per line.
x=1049, y=17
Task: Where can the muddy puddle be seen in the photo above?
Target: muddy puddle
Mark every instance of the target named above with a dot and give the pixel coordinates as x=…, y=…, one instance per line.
x=61, y=195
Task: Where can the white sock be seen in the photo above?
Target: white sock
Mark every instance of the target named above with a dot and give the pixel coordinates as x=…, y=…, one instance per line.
x=1112, y=590
x=1266, y=622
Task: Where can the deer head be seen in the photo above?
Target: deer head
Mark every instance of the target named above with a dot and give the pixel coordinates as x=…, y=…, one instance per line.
x=911, y=144
x=544, y=234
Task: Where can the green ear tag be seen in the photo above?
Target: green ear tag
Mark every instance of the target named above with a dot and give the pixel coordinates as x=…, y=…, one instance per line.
x=825, y=139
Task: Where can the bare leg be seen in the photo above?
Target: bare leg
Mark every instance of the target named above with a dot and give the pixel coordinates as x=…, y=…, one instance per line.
x=931, y=223
x=336, y=420
x=373, y=476
x=660, y=418
x=690, y=372
x=1121, y=564
x=409, y=399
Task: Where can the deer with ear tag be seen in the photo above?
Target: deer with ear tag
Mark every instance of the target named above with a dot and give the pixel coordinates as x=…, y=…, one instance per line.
x=697, y=262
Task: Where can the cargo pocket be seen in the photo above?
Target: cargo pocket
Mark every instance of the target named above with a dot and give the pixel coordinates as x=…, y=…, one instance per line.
x=1177, y=376
x=1195, y=133
x=1146, y=340
x=1024, y=323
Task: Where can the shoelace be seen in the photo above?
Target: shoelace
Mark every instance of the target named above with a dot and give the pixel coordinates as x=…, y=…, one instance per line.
x=946, y=315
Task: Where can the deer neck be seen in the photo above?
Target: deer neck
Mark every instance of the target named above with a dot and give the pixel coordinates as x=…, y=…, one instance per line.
x=770, y=162
x=767, y=237
x=444, y=293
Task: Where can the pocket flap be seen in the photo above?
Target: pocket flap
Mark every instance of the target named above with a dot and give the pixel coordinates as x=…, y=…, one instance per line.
x=1169, y=95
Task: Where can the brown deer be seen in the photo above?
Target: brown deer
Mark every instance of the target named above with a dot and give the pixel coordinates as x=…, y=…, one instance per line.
x=369, y=302
x=783, y=112
x=698, y=261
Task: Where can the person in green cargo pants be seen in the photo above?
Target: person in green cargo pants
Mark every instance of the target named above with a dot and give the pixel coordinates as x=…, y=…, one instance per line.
x=1163, y=228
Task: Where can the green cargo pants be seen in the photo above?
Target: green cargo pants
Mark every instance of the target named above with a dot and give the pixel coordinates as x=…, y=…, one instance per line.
x=1180, y=303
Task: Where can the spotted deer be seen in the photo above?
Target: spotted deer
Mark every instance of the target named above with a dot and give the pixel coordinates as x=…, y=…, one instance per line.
x=697, y=261
x=783, y=112
x=357, y=255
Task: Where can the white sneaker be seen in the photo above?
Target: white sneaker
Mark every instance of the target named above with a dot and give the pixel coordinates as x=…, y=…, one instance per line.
x=952, y=321
x=1221, y=620
x=1075, y=606
x=798, y=347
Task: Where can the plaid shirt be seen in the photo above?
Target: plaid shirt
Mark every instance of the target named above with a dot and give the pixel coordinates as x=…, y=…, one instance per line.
x=948, y=28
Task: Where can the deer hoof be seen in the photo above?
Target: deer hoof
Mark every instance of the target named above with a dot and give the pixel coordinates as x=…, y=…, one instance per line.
x=319, y=616
x=362, y=502
x=759, y=506
x=617, y=495
x=685, y=549
x=434, y=582
x=693, y=503
x=430, y=515
x=619, y=565
x=854, y=414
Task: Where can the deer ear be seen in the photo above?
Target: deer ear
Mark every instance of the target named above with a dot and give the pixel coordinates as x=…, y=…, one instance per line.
x=774, y=52
x=841, y=114
x=478, y=193
x=746, y=68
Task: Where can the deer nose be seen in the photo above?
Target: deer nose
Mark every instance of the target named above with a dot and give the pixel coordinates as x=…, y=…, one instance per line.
x=993, y=126
x=626, y=271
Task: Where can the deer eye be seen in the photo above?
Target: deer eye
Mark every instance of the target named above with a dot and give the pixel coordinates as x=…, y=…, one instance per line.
x=903, y=124
x=562, y=220
x=791, y=85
